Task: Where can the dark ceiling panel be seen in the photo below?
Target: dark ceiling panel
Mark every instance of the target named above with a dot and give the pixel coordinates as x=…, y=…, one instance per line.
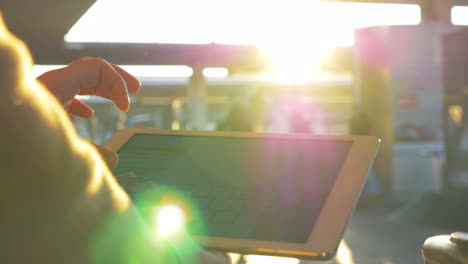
x=43, y=23
x=33, y=20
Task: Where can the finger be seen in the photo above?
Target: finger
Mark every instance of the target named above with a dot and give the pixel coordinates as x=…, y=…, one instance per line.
x=81, y=109
x=113, y=86
x=58, y=82
x=133, y=84
x=109, y=156
x=96, y=76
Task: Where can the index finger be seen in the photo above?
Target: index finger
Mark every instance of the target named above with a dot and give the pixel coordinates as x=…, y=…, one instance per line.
x=96, y=76
x=133, y=84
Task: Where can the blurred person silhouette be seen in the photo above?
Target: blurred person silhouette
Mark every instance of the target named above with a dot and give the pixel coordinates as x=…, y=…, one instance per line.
x=359, y=125
x=236, y=120
x=60, y=203
x=298, y=123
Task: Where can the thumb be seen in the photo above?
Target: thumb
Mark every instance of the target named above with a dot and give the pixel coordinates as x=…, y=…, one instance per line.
x=108, y=155
x=80, y=109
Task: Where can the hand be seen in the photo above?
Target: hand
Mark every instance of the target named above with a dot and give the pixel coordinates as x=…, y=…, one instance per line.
x=90, y=76
x=109, y=156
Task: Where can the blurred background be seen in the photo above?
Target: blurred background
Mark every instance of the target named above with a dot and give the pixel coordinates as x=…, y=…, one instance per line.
x=396, y=69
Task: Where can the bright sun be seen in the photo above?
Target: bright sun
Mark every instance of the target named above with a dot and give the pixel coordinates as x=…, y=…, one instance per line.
x=295, y=34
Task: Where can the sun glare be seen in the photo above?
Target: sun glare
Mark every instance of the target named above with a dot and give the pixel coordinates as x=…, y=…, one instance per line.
x=297, y=62
x=344, y=254
x=459, y=15
x=169, y=219
x=296, y=35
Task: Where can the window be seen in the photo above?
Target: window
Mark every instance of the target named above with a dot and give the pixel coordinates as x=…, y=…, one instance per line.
x=460, y=15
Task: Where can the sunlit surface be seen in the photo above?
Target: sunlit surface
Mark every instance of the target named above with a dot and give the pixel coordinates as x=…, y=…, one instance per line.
x=136, y=70
x=344, y=254
x=169, y=219
x=460, y=15
x=175, y=125
x=256, y=259
x=234, y=257
x=456, y=113
x=293, y=32
x=215, y=72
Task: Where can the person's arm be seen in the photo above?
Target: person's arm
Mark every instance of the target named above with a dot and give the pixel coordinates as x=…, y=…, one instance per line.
x=59, y=202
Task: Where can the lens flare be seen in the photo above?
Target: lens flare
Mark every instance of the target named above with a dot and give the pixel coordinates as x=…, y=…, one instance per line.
x=344, y=254
x=169, y=220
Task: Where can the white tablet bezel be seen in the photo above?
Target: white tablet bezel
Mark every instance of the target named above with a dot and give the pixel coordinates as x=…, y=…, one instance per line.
x=328, y=229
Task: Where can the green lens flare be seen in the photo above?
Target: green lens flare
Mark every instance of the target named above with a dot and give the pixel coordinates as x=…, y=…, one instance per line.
x=163, y=213
x=169, y=219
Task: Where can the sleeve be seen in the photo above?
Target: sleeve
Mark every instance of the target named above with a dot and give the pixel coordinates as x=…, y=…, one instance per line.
x=59, y=203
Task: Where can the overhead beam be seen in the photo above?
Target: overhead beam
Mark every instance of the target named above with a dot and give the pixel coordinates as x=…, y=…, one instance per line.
x=212, y=55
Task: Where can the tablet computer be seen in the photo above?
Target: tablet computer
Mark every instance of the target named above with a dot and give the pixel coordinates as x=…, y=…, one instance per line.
x=252, y=193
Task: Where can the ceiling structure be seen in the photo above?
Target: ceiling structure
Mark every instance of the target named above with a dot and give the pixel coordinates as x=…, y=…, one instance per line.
x=43, y=24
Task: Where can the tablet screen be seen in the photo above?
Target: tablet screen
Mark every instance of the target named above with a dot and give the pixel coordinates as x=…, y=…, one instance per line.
x=270, y=189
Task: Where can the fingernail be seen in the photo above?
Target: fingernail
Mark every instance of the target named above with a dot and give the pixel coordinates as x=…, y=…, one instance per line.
x=128, y=103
